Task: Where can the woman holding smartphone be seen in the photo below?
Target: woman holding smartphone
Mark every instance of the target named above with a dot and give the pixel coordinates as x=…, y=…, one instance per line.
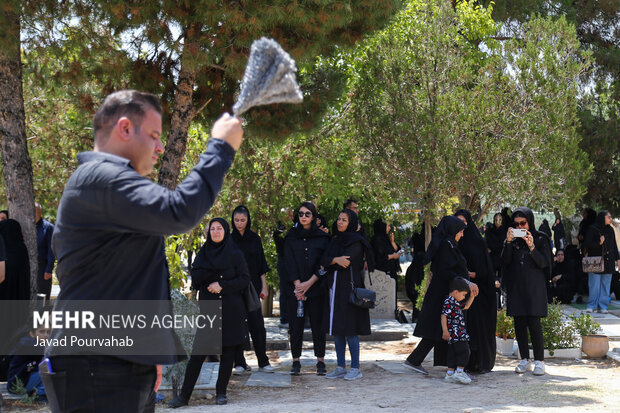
x=526, y=268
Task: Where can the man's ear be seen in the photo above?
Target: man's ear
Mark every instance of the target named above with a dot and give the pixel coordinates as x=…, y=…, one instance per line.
x=123, y=128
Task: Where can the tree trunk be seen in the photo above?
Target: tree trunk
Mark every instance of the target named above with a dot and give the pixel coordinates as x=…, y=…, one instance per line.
x=182, y=112
x=16, y=164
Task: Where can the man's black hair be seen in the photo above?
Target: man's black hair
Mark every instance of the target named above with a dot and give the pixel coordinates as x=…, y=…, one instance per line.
x=130, y=103
x=348, y=203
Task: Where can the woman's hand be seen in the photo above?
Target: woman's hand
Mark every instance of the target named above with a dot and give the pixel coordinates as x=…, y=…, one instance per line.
x=529, y=240
x=509, y=236
x=264, y=292
x=302, y=288
x=497, y=284
x=445, y=336
x=473, y=288
x=214, y=288
x=601, y=243
x=472, y=274
x=343, y=261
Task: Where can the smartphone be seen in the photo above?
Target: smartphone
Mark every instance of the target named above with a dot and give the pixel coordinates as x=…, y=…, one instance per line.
x=519, y=232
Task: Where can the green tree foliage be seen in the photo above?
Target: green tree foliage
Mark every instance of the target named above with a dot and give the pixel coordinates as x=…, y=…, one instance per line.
x=597, y=24
x=485, y=124
x=193, y=55
x=271, y=177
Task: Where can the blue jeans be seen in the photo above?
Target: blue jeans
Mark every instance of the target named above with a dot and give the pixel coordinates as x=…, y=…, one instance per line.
x=34, y=382
x=599, y=286
x=354, y=349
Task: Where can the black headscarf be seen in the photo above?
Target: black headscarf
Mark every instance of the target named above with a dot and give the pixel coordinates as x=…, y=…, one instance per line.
x=448, y=227
x=324, y=223
x=16, y=285
x=527, y=213
x=599, y=222
x=241, y=209
x=216, y=256
x=544, y=227
x=350, y=236
x=298, y=230
x=474, y=249
x=382, y=246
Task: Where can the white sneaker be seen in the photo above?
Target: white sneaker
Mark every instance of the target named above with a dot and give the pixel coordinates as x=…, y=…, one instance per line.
x=539, y=368
x=523, y=366
x=353, y=374
x=337, y=373
x=240, y=370
x=461, y=377
x=449, y=378
x=267, y=369
x=603, y=311
x=589, y=310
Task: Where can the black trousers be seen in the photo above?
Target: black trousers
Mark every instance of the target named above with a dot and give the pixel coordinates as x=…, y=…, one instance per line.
x=256, y=325
x=458, y=354
x=314, y=308
x=99, y=384
x=194, y=365
x=522, y=324
x=420, y=351
x=43, y=286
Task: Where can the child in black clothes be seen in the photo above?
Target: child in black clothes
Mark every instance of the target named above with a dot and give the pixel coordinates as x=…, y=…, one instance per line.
x=453, y=326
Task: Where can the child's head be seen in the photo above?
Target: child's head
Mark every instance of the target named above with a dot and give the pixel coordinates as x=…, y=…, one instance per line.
x=41, y=332
x=459, y=288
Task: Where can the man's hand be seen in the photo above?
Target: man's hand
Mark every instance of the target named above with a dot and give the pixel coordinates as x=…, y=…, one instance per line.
x=228, y=128
x=47, y=276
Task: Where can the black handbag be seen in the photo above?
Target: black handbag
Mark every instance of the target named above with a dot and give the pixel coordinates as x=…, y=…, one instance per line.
x=252, y=302
x=362, y=297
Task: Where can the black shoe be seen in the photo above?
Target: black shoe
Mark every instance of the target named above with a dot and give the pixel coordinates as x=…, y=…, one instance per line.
x=221, y=399
x=320, y=369
x=177, y=402
x=296, y=369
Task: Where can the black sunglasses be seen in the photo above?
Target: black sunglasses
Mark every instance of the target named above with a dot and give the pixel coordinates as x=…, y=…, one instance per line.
x=306, y=214
x=520, y=224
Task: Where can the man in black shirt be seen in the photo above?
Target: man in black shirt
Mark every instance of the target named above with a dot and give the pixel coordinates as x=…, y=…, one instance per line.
x=109, y=243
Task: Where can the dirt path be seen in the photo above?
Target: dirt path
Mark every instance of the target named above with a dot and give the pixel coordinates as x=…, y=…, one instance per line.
x=569, y=386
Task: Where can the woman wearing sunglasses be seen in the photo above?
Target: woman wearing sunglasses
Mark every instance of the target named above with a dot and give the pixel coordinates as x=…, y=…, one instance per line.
x=303, y=247
x=526, y=267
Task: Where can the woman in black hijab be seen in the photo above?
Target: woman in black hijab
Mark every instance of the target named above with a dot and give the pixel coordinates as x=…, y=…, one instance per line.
x=251, y=245
x=482, y=315
x=527, y=264
x=385, y=249
x=344, y=259
x=387, y=255
x=589, y=218
x=16, y=285
x=601, y=242
x=559, y=234
x=447, y=262
x=304, y=246
x=220, y=273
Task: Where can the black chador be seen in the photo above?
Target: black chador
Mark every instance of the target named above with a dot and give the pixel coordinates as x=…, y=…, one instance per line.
x=447, y=262
x=481, y=316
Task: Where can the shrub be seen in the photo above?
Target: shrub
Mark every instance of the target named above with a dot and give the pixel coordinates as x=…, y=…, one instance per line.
x=585, y=324
x=559, y=330
x=505, y=327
